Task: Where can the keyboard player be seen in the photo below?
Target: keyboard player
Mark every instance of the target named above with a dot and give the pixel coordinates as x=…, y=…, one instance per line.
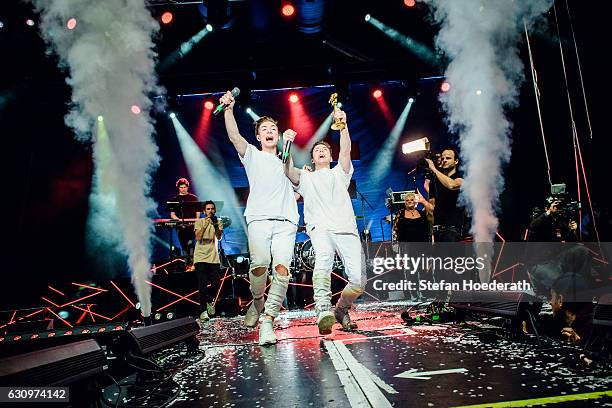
x=185, y=232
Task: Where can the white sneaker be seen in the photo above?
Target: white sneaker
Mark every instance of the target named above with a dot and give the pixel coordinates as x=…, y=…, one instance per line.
x=344, y=319
x=325, y=321
x=266, y=333
x=252, y=315
x=204, y=316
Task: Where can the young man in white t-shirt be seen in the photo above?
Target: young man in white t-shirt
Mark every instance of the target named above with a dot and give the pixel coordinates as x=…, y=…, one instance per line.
x=271, y=215
x=330, y=223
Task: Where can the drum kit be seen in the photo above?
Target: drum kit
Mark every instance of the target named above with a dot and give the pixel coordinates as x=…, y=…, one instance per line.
x=304, y=258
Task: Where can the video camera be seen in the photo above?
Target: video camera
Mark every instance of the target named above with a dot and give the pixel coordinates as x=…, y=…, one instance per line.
x=566, y=207
x=565, y=204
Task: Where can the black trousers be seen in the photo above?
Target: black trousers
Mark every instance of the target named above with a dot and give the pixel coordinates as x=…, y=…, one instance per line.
x=208, y=282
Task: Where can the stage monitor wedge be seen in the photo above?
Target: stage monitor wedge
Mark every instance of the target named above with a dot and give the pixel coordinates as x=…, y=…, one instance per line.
x=602, y=315
x=149, y=339
x=54, y=366
x=499, y=303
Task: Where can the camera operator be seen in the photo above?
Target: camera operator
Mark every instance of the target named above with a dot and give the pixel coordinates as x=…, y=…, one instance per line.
x=448, y=216
x=553, y=225
x=561, y=258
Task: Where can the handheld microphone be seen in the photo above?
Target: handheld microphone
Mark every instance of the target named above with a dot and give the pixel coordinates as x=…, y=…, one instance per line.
x=219, y=108
x=286, y=151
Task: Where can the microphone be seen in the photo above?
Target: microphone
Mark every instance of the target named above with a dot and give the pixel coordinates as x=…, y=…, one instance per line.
x=286, y=151
x=219, y=108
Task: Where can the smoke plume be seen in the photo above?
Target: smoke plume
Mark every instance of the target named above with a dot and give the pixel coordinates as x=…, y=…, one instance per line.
x=110, y=62
x=480, y=39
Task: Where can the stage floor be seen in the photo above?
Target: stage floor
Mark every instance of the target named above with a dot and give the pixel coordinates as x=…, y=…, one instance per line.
x=384, y=363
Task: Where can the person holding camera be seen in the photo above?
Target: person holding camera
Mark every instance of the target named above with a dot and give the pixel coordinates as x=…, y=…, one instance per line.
x=553, y=226
x=208, y=231
x=448, y=216
x=557, y=256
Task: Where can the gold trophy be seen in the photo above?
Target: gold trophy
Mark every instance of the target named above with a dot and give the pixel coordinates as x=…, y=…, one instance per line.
x=338, y=123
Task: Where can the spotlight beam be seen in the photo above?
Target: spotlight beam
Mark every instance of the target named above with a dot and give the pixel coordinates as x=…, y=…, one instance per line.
x=419, y=49
x=253, y=114
x=184, y=49
x=345, y=49
x=384, y=159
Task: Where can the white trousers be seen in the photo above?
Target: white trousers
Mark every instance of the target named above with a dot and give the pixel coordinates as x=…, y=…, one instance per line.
x=325, y=244
x=270, y=242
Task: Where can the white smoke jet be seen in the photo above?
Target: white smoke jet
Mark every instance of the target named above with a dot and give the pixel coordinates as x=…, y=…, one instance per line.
x=103, y=239
x=110, y=60
x=481, y=39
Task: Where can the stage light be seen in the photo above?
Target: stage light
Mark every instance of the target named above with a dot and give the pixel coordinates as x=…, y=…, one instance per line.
x=64, y=314
x=172, y=115
x=445, y=87
x=209, y=105
x=240, y=259
x=293, y=98
x=478, y=92
x=411, y=100
x=367, y=17
x=135, y=109
x=416, y=146
x=30, y=22
x=157, y=316
x=170, y=316
x=1, y=24
x=377, y=93
x=71, y=24
x=100, y=118
x=137, y=307
x=249, y=110
x=167, y=17
x=409, y=3
x=209, y=28
x=288, y=10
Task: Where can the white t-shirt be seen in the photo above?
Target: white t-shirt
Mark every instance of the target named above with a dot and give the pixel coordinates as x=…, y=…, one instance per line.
x=271, y=193
x=327, y=203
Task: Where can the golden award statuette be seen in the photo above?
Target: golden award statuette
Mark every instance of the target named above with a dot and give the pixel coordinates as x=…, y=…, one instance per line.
x=338, y=124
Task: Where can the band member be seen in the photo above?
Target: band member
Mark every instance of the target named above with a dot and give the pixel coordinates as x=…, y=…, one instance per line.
x=330, y=223
x=271, y=216
x=185, y=233
x=443, y=195
x=208, y=231
x=410, y=224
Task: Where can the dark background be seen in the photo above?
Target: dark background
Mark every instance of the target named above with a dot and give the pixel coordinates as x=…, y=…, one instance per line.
x=47, y=175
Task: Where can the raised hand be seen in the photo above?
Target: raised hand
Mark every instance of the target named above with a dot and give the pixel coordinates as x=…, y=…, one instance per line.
x=228, y=100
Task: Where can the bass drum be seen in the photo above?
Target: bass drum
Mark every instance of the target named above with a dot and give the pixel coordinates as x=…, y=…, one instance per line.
x=306, y=258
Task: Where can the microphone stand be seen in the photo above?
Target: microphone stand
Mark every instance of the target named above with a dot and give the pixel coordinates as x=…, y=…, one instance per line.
x=364, y=200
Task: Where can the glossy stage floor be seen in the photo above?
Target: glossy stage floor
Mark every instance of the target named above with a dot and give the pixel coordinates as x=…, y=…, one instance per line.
x=384, y=363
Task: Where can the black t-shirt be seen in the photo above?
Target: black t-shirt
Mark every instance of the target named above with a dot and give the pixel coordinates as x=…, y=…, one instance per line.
x=446, y=212
x=412, y=229
x=185, y=198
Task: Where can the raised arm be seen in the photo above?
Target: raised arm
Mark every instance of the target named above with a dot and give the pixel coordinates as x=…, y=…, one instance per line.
x=291, y=172
x=345, y=143
x=429, y=207
x=451, y=184
x=231, y=126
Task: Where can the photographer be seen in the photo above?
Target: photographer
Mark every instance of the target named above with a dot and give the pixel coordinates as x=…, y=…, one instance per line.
x=553, y=225
x=560, y=258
